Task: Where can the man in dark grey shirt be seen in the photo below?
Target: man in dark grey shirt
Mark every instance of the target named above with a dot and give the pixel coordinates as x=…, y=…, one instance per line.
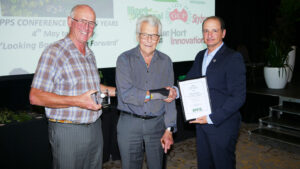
x=146, y=123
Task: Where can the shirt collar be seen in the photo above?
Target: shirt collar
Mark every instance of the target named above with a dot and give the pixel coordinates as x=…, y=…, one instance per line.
x=213, y=52
x=88, y=51
x=138, y=54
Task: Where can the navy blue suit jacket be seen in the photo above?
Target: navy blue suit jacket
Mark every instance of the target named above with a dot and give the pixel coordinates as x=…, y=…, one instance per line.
x=226, y=79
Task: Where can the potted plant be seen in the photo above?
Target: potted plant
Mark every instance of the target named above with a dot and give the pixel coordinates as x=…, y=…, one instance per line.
x=276, y=69
x=282, y=39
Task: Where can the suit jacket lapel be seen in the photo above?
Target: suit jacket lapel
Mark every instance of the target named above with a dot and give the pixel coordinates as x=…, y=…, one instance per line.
x=216, y=58
x=201, y=62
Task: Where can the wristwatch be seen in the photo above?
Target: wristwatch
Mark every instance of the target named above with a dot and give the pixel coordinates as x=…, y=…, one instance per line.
x=171, y=129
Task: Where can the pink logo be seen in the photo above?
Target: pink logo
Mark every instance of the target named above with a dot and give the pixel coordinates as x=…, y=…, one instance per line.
x=176, y=15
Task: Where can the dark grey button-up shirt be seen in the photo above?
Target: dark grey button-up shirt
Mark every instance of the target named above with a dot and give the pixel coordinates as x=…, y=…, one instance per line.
x=133, y=79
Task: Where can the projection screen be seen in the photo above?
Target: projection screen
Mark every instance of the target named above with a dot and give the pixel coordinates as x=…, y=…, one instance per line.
x=28, y=26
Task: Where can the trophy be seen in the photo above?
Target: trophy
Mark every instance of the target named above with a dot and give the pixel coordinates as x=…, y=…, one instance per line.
x=105, y=97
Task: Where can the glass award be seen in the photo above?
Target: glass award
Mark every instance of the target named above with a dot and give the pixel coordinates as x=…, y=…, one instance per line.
x=105, y=97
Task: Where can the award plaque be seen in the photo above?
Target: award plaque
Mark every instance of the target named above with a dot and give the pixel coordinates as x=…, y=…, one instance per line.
x=194, y=98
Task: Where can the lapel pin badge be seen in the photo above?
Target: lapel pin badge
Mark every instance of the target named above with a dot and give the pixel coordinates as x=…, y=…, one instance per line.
x=214, y=60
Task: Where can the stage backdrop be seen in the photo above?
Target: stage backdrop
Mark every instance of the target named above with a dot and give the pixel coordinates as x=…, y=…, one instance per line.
x=27, y=27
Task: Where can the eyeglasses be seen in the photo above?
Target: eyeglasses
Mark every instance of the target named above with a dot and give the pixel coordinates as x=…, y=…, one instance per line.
x=85, y=22
x=154, y=37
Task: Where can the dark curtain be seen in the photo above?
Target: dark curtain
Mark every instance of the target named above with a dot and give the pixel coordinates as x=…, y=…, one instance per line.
x=248, y=23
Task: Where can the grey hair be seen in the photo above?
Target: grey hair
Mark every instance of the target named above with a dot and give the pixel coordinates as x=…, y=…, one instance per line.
x=150, y=19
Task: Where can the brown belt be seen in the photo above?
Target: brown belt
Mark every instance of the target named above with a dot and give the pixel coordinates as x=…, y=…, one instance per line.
x=61, y=121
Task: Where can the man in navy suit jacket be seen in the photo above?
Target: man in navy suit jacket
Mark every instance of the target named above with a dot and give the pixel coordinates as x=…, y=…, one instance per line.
x=224, y=69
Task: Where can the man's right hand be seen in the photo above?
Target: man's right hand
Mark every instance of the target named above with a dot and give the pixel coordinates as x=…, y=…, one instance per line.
x=172, y=95
x=47, y=99
x=86, y=101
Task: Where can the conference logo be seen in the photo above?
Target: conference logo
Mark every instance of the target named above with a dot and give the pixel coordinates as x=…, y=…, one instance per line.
x=178, y=13
x=134, y=13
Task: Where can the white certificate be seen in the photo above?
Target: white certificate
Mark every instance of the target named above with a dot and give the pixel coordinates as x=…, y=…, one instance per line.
x=194, y=98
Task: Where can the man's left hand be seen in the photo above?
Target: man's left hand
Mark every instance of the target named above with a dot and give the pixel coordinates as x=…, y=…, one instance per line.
x=200, y=120
x=172, y=94
x=166, y=141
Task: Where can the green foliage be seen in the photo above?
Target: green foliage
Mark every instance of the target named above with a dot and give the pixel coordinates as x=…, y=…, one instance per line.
x=35, y=7
x=282, y=35
x=277, y=54
x=8, y=116
x=5, y=116
x=100, y=74
x=102, y=77
x=21, y=117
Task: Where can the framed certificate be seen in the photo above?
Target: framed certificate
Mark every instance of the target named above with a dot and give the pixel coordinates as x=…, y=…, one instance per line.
x=194, y=98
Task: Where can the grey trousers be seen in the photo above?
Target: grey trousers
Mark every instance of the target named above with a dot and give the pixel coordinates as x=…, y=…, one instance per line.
x=135, y=136
x=76, y=146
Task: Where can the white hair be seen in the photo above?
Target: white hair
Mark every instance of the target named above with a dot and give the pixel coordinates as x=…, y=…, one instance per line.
x=150, y=19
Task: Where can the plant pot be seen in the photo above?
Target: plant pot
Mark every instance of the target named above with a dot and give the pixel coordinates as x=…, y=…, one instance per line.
x=291, y=62
x=276, y=78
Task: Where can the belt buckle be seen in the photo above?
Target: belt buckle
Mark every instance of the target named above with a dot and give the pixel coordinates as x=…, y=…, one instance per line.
x=145, y=117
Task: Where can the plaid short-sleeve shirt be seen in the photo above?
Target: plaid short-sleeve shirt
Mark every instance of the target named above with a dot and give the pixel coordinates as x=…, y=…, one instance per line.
x=63, y=70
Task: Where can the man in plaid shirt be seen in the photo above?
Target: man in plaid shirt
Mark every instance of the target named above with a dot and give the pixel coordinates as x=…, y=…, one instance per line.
x=67, y=83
